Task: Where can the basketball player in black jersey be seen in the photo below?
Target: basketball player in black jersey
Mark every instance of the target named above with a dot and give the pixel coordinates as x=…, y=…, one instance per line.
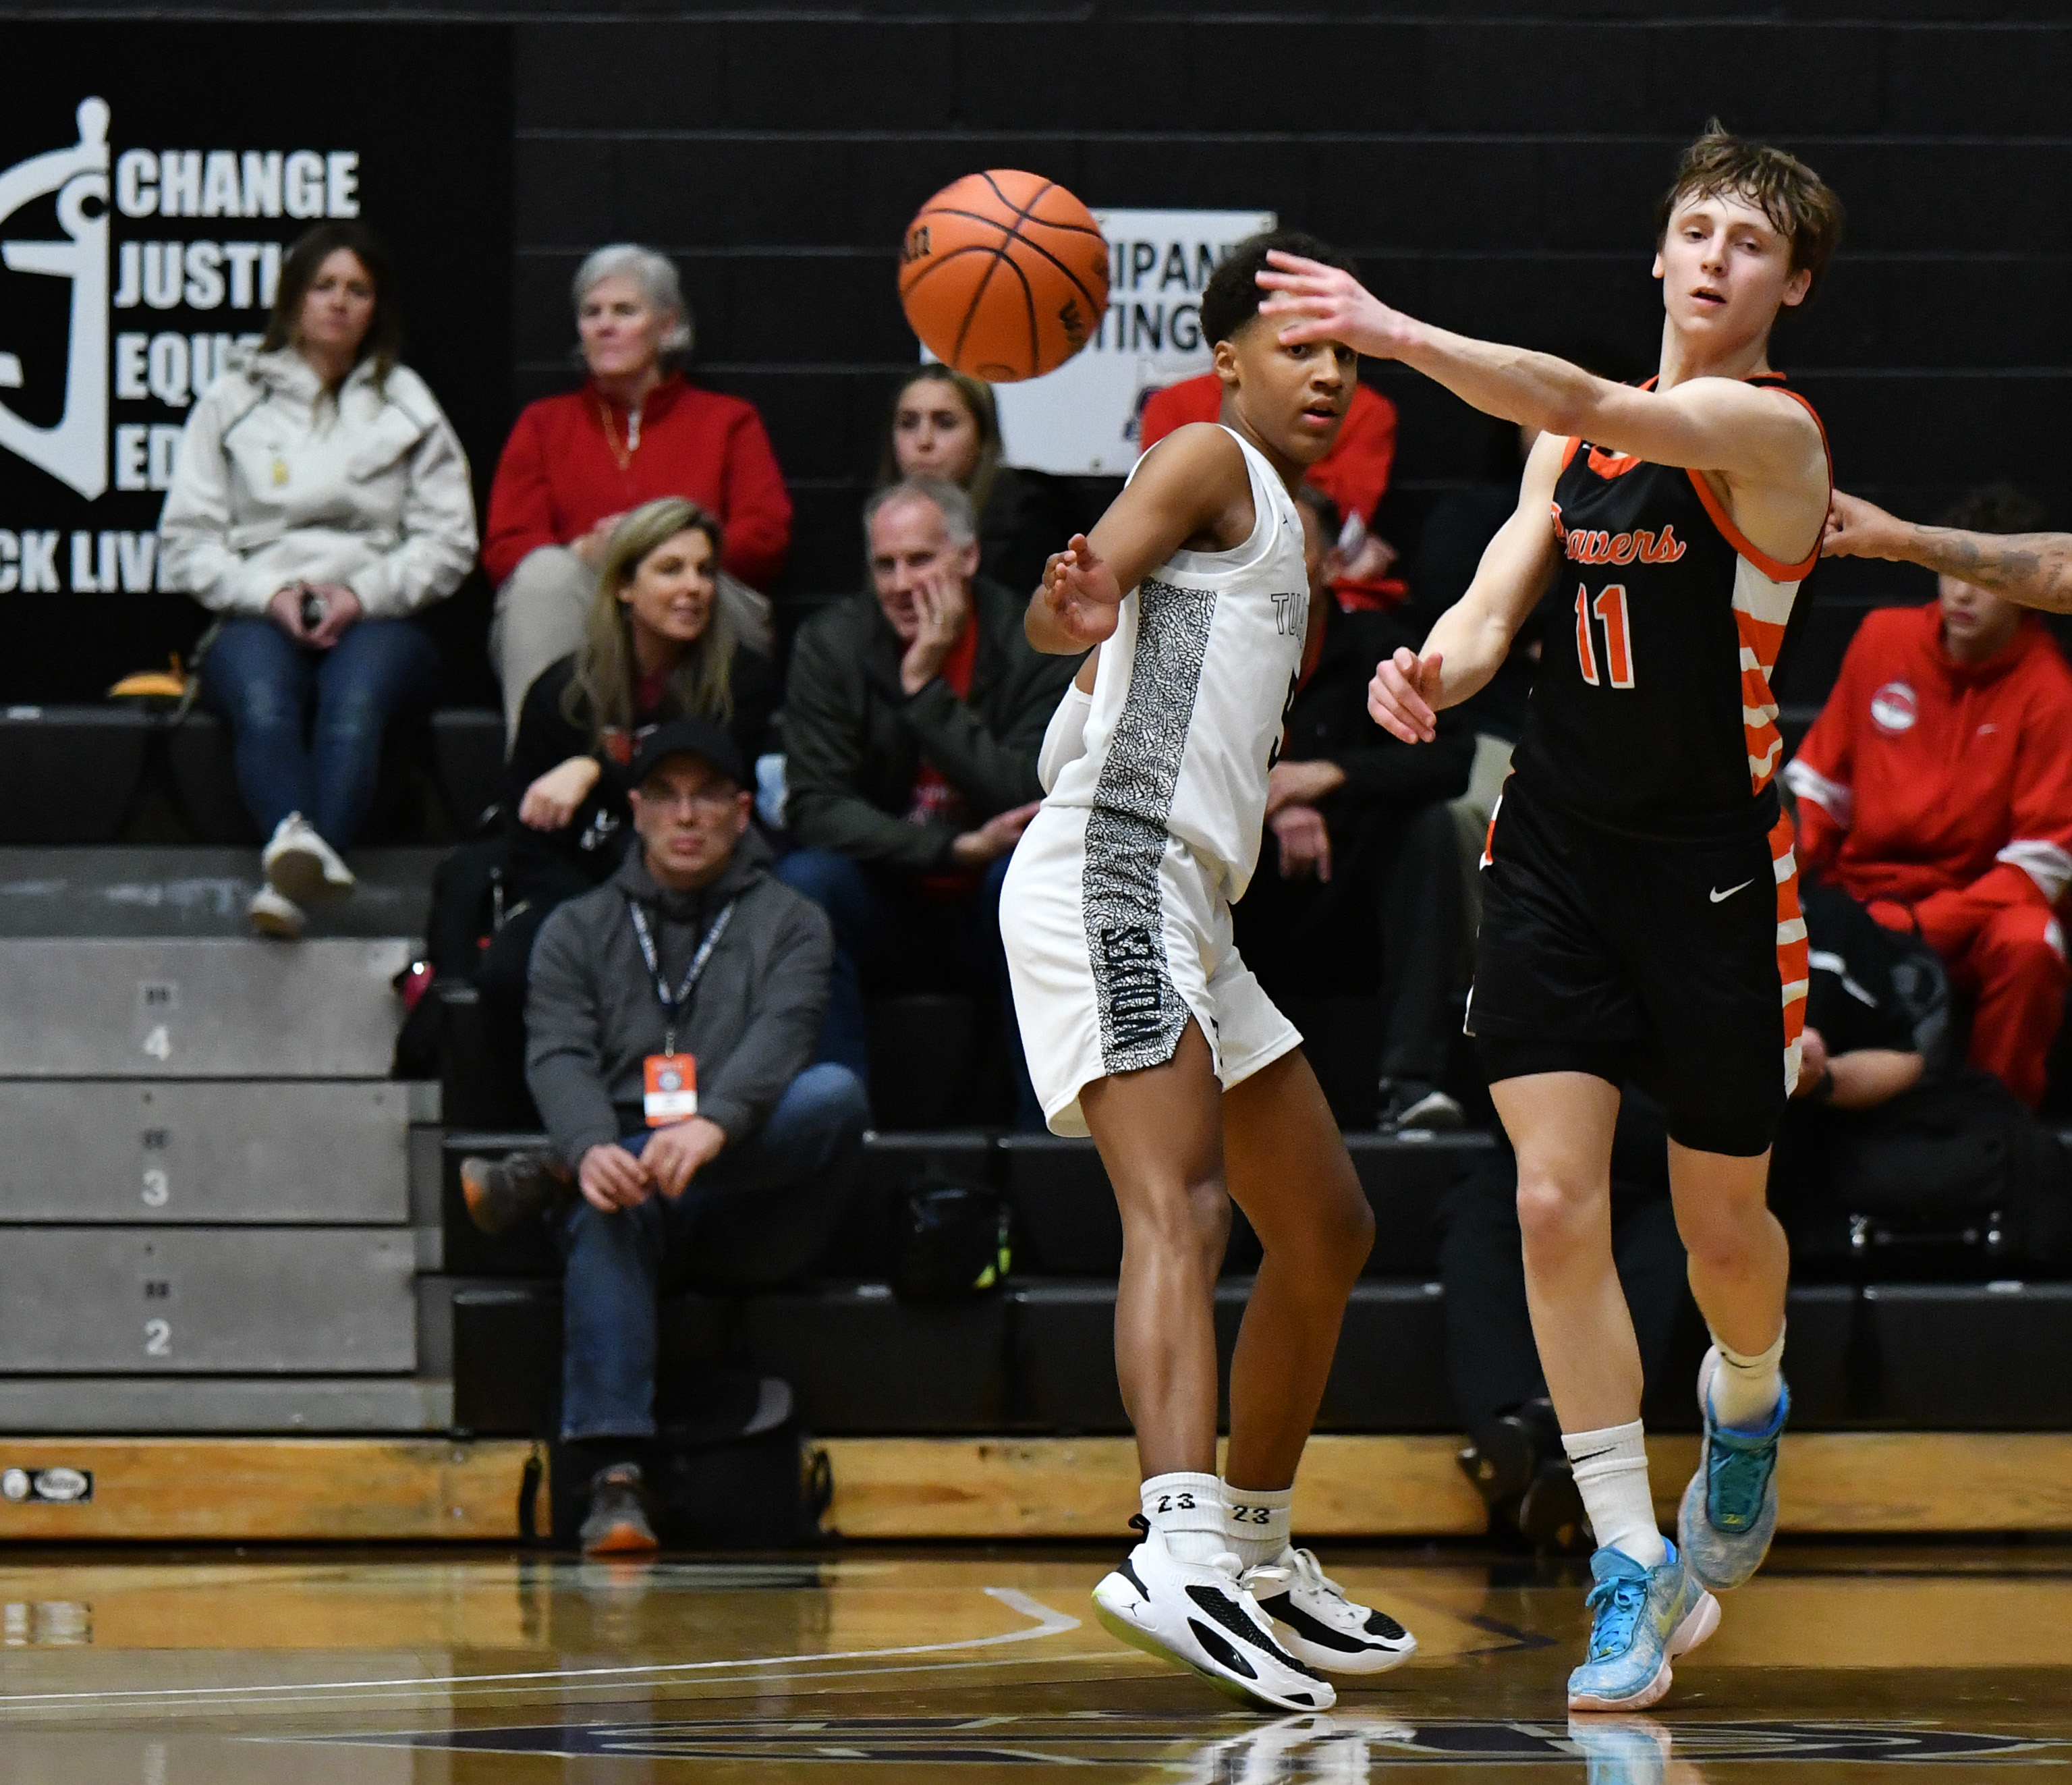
x=1641, y=910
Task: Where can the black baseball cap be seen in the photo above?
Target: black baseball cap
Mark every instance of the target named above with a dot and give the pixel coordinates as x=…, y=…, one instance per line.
x=688, y=738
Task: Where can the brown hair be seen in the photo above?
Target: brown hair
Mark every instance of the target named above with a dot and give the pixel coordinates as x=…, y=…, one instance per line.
x=600, y=694
x=977, y=400
x=383, y=341
x=1798, y=203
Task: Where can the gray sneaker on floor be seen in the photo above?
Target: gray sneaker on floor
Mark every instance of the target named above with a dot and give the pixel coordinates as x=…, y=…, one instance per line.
x=617, y=1522
x=1412, y=1106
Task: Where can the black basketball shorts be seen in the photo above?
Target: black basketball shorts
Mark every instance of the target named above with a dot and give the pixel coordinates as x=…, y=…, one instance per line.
x=1681, y=966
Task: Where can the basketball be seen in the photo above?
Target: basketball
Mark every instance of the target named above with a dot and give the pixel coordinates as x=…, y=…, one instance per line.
x=1003, y=275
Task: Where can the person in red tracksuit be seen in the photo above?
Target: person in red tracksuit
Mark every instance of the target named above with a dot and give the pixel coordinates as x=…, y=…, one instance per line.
x=1936, y=788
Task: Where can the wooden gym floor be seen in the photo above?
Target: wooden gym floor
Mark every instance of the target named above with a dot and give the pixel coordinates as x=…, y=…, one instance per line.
x=1913, y=1661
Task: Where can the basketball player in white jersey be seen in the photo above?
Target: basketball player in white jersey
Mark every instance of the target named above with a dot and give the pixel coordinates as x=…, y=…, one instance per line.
x=1143, y=1028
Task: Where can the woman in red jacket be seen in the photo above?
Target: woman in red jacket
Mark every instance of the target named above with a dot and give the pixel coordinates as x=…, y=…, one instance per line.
x=576, y=464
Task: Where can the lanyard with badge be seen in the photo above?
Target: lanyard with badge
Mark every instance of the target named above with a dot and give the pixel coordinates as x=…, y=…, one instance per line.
x=671, y=1092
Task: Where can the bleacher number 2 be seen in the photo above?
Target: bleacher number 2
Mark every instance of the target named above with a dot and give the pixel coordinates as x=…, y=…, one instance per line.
x=158, y=1338
x=1609, y=608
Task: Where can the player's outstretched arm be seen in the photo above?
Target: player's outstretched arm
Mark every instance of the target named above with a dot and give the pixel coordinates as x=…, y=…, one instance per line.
x=1473, y=637
x=2033, y=569
x=1709, y=424
x=1191, y=489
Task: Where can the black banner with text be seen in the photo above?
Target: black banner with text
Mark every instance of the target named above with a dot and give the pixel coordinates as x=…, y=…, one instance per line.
x=152, y=177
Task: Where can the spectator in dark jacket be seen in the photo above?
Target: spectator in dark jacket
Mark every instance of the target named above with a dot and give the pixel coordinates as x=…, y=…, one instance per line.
x=947, y=425
x=1361, y=882
x=912, y=718
x=741, y=1170
x=659, y=646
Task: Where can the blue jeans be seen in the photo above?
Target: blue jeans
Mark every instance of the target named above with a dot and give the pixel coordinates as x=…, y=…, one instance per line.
x=758, y=1215
x=325, y=768
x=891, y=937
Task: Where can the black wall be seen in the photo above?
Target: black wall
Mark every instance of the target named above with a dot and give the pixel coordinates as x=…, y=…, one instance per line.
x=1493, y=168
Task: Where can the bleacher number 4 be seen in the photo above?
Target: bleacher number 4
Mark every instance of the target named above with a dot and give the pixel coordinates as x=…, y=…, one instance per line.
x=1609, y=608
x=158, y=1044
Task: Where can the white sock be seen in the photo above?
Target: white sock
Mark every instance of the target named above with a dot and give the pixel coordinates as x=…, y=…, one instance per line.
x=1745, y=1390
x=1260, y=1522
x=1187, y=1511
x=1611, y=1474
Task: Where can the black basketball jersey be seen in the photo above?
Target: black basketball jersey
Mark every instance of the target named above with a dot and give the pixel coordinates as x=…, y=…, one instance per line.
x=1651, y=711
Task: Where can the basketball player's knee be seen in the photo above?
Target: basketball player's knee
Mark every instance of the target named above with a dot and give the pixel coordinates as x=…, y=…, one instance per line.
x=1556, y=1212
x=1189, y=1218
x=1730, y=1237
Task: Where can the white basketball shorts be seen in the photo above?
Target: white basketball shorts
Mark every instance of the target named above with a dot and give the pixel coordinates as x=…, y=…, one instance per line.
x=1115, y=934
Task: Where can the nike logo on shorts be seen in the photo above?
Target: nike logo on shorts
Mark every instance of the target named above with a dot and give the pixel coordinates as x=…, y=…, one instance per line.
x=1718, y=896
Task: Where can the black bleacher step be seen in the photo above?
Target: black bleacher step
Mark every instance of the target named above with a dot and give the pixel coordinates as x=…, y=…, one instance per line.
x=507, y=1352
x=862, y=1361
x=936, y=1061
x=859, y=1359
x=1389, y=1374
x=893, y=1164
x=1978, y=1357
x=70, y=774
x=1068, y=1225
x=468, y=763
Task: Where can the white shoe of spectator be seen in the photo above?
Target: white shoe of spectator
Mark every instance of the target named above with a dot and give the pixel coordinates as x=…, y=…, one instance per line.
x=301, y=865
x=274, y=913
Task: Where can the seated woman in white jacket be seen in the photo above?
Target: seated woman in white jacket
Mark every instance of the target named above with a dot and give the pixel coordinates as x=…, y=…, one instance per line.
x=321, y=498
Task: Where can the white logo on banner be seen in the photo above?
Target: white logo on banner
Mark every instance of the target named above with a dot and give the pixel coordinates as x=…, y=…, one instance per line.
x=75, y=449
x=1083, y=418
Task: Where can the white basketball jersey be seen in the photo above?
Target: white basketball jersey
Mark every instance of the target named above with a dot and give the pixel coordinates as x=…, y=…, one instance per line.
x=1191, y=696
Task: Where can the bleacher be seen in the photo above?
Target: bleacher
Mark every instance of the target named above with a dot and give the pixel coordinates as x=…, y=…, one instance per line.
x=231, y=1228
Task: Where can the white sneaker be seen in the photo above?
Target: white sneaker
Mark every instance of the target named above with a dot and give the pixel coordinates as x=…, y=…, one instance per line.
x=275, y=915
x=1196, y=1614
x=1318, y=1624
x=300, y=864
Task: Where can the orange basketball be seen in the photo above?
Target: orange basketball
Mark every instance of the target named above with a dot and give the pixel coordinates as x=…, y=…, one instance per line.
x=1003, y=275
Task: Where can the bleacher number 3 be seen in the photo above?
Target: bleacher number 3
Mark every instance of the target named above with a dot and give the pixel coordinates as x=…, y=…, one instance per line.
x=157, y=1188
x=158, y=1338
x=1609, y=608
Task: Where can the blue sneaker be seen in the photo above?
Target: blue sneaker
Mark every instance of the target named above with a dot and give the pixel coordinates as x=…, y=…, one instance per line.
x=1645, y=1618
x=1730, y=1510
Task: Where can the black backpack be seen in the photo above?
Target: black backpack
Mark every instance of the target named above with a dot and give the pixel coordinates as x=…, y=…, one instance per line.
x=1953, y=1173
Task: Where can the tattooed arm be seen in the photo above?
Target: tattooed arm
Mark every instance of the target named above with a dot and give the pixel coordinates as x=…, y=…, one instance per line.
x=2033, y=569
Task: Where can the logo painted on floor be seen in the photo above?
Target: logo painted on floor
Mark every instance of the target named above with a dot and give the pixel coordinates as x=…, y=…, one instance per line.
x=1337, y=1747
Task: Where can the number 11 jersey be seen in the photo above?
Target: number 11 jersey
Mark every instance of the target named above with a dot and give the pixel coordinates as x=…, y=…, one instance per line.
x=1652, y=712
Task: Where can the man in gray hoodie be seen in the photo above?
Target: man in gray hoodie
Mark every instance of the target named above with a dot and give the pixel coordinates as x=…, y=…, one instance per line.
x=671, y=1018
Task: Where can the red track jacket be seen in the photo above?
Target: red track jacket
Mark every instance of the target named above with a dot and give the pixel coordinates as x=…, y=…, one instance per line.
x=1942, y=787
x=558, y=476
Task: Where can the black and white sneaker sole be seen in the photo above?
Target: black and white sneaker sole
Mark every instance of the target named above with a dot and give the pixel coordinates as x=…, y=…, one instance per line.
x=1217, y=1657
x=1313, y=1641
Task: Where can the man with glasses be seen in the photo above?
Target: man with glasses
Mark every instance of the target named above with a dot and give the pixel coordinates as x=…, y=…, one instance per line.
x=672, y=1017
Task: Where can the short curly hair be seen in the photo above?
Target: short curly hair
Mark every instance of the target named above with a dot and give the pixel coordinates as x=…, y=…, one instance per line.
x=1232, y=297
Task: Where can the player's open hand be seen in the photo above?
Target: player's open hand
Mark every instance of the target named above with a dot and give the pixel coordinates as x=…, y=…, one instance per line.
x=1401, y=698
x=1857, y=528
x=1318, y=302
x=1082, y=592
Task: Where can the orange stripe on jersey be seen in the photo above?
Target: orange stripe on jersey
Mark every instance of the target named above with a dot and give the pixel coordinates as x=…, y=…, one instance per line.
x=1794, y=966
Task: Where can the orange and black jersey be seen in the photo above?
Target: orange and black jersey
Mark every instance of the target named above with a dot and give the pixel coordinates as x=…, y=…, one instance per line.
x=1651, y=713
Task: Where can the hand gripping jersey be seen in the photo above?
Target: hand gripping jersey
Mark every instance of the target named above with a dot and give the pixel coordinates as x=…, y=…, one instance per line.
x=1190, y=700
x=1652, y=712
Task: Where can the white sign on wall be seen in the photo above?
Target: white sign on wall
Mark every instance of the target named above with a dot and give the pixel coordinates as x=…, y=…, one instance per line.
x=1082, y=417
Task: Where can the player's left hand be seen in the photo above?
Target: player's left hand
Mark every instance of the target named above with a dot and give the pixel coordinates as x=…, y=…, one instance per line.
x=1857, y=528
x=1082, y=592
x=1305, y=843
x=676, y=1154
x=1399, y=698
x=1327, y=303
